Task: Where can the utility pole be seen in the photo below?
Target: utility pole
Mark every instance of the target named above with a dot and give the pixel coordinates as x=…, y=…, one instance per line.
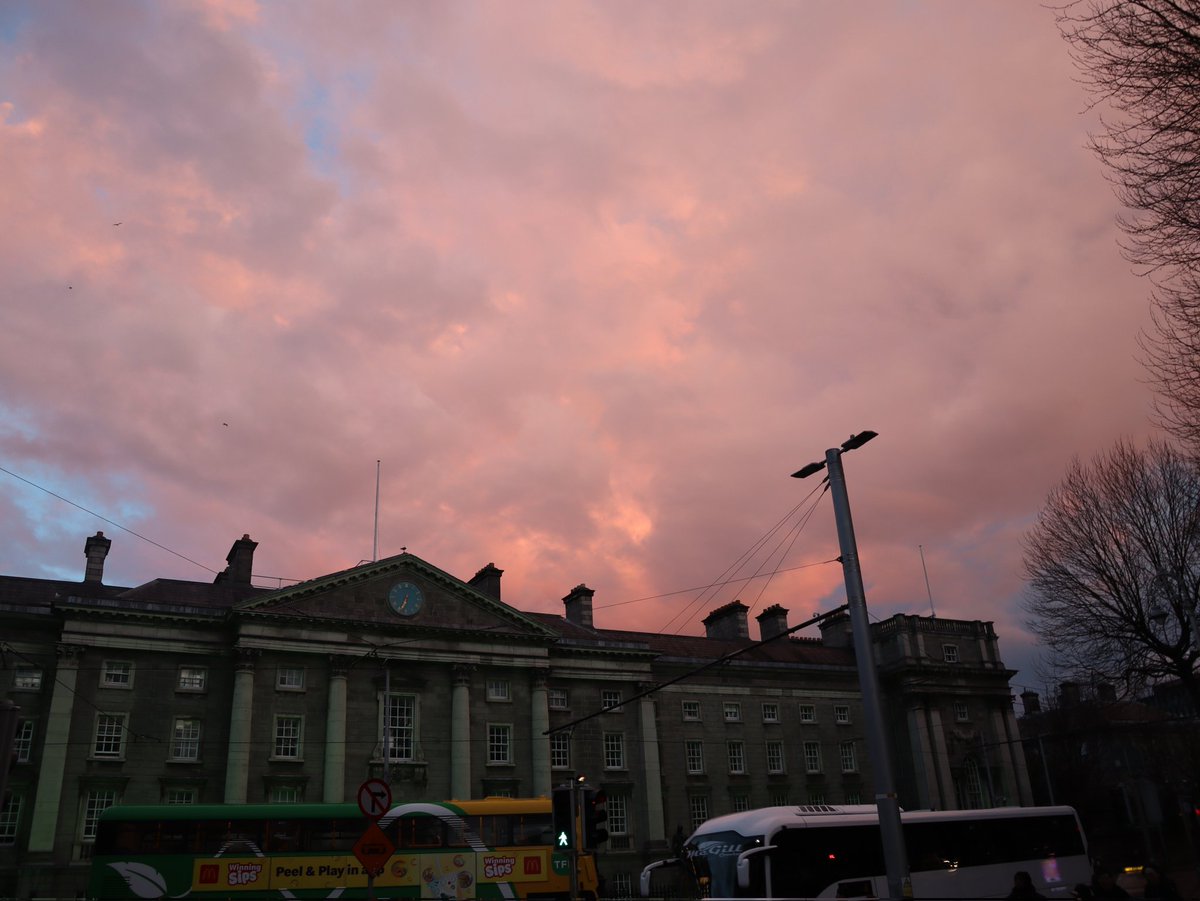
x=894, y=854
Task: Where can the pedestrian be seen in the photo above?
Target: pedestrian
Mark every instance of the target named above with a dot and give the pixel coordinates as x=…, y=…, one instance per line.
x=1158, y=885
x=1023, y=889
x=1104, y=886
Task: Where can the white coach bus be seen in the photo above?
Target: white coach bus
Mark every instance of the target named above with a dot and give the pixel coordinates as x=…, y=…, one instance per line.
x=836, y=852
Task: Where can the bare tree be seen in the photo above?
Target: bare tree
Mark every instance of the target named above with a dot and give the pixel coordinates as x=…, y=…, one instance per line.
x=1114, y=568
x=1140, y=60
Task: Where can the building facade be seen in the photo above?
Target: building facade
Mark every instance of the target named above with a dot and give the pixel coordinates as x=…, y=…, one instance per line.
x=188, y=692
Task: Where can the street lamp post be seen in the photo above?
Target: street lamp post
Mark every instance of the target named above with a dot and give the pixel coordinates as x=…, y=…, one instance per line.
x=894, y=854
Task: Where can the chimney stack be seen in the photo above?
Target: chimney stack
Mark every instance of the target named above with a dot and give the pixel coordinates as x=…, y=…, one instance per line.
x=728, y=622
x=1032, y=701
x=96, y=549
x=579, y=606
x=487, y=581
x=1069, y=694
x=240, y=560
x=772, y=622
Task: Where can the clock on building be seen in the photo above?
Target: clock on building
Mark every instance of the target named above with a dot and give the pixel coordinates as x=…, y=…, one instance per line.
x=406, y=598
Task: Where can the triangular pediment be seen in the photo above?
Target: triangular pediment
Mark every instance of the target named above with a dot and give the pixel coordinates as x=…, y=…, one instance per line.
x=396, y=593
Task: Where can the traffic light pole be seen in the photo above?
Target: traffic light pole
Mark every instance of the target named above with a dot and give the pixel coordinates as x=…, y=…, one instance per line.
x=575, y=835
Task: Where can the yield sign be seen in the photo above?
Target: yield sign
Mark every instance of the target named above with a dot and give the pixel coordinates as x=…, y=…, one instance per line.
x=374, y=849
x=374, y=798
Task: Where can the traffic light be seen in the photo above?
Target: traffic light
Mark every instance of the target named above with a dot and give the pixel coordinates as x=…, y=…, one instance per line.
x=595, y=812
x=564, y=819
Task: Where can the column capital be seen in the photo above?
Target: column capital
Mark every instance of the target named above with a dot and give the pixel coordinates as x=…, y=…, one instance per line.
x=339, y=665
x=244, y=659
x=462, y=673
x=540, y=678
x=69, y=654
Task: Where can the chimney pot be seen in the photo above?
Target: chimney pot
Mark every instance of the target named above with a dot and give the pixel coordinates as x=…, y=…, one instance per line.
x=96, y=549
x=579, y=606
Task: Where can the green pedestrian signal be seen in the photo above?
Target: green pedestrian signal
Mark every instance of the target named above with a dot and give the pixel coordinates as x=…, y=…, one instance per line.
x=564, y=818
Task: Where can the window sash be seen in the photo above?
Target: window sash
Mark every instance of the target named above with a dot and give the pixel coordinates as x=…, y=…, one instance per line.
x=23, y=741
x=610, y=700
x=400, y=722
x=192, y=678
x=185, y=740
x=558, y=698
x=841, y=714
x=290, y=678
x=560, y=750
x=10, y=820
x=695, y=756
x=499, y=690
x=737, y=757
x=117, y=674
x=614, y=750
x=808, y=713
x=618, y=815
x=499, y=743
x=180, y=796
x=812, y=757
x=97, y=802
x=289, y=732
x=698, y=808
x=848, y=757
x=733, y=711
x=770, y=713
x=27, y=678
x=110, y=735
x=691, y=710
x=774, y=757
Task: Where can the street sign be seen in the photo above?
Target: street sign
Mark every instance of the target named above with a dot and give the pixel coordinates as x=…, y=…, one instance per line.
x=374, y=849
x=374, y=798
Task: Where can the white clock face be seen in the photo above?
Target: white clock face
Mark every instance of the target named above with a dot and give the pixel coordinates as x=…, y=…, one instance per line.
x=405, y=598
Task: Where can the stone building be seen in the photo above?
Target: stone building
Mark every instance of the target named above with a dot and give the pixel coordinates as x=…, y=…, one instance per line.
x=187, y=692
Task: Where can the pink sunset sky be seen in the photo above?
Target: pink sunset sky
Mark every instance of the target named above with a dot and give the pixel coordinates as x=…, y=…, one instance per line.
x=590, y=279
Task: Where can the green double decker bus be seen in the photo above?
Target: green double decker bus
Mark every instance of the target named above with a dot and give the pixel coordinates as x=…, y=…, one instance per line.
x=494, y=848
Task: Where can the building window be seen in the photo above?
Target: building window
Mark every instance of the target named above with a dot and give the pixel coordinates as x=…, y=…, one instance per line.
x=23, y=741
x=290, y=678
x=841, y=714
x=740, y=803
x=950, y=653
x=770, y=713
x=816, y=798
x=853, y=797
x=849, y=759
x=610, y=700
x=691, y=710
x=808, y=713
x=695, y=756
x=618, y=815
x=614, y=750
x=95, y=803
x=289, y=735
x=499, y=744
x=498, y=690
x=27, y=678
x=737, y=757
x=733, y=712
x=775, y=757
x=284, y=794
x=812, y=757
x=180, y=796
x=192, y=678
x=622, y=885
x=10, y=820
x=109, y=742
x=779, y=798
x=117, y=674
x=399, y=727
x=698, y=809
x=185, y=739
x=558, y=699
x=961, y=713
x=560, y=750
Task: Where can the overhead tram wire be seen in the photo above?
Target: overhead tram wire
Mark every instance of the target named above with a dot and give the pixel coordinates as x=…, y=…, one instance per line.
x=712, y=663
x=749, y=554
x=115, y=525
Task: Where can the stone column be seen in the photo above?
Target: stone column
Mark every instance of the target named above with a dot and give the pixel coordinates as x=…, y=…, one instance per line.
x=941, y=758
x=44, y=824
x=652, y=767
x=924, y=768
x=539, y=725
x=1012, y=754
x=460, y=733
x=335, y=732
x=237, y=760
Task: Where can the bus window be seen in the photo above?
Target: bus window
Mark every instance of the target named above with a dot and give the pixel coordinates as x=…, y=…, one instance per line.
x=175, y=837
x=533, y=829
x=330, y=835
x=283, y=836
x=420, y=832
x=496, y=831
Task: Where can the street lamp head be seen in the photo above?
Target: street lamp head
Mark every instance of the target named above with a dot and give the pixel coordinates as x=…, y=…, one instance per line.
x=805, y=471
x=855, y=441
